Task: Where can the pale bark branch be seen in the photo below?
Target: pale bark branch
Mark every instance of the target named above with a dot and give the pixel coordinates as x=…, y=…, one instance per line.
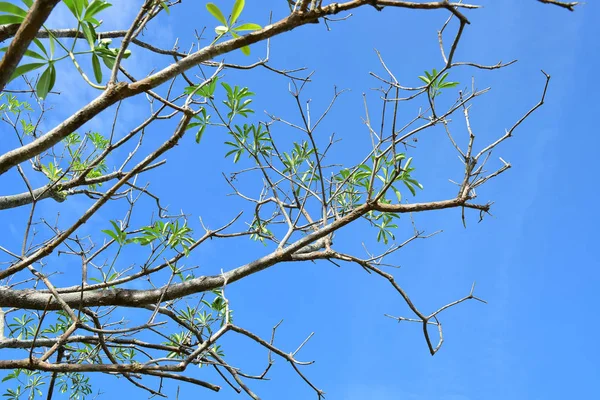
x=122, y=90
x=35, y=300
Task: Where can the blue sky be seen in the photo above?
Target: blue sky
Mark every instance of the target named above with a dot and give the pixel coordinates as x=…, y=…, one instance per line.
x=533, y=261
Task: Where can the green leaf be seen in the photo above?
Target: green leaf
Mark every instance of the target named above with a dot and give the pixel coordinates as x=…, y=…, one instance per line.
x=108, y=61
x=447, y=85
x=414, y=182
x=200, y=133
x=227, y=87
x=80, y=4
x=208, y=90
x=51, y=171
x=238, y=6
x=29, y=53
x=110, y=233
x=33, y=54
x=193, y=125
x=71, y=6
x=40, y=45
x=97, y=68
x=165, y=7
x=25, y=68
x=10, y=19
x=8, y=377
x=90, y=34
x=43, y=85
x=118, y=235
x=12, y=9
x=236, y=157
x=248, y=27
x=94, y=8
x=52, y=77
x=398, y=194
x=28, y=3
x=216, y=12
x=411, y=188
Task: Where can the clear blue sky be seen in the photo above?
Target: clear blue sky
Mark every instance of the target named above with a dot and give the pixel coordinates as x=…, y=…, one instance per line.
x=533, y=261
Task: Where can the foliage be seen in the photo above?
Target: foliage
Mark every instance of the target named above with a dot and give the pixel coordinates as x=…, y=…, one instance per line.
x=229, y=24
x=296, y=195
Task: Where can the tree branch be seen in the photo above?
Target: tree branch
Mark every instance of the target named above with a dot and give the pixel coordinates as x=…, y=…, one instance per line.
x=568, y=5
x=122, y=90
x=35, y=300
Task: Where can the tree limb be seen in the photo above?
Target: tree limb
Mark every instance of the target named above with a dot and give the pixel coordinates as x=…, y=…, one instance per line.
x=122, y=90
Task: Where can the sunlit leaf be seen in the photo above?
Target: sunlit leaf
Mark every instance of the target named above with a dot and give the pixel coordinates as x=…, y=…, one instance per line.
x=216, y=12
x=25, y=68
x=29, y=53
x=10, y=19
x=12, y=9
x=238, y=6
x=39, y=44
x=94, y=8
x=72, y=7
x=165, y=7
x=248, y=27
x=90, y=33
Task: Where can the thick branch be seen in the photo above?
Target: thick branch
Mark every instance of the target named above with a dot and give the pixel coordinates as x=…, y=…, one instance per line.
x=8, y=31
x=57, y=192
x=123, y=91
x=108, y=368
x=35, y=300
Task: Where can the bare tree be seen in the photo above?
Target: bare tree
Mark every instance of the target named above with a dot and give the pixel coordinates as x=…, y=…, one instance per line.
x=64, y=332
